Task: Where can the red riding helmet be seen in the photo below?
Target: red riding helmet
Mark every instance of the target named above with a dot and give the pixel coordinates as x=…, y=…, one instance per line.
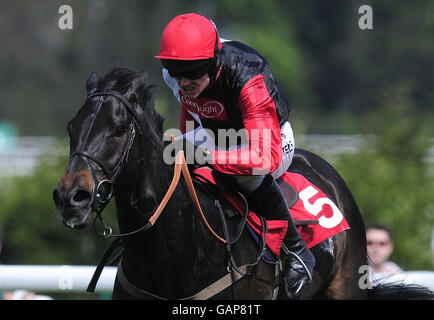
x=189, y=37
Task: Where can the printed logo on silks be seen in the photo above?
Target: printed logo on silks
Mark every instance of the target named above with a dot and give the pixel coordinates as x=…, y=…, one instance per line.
x=205, y=108
x=211, y=109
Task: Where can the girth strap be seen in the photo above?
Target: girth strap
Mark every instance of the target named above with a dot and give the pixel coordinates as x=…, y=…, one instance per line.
x=216, y=287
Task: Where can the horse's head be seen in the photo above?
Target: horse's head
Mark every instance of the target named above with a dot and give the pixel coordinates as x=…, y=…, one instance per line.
x=101, y=137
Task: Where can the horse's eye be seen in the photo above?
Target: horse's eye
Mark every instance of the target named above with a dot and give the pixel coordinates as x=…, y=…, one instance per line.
x=120, y=130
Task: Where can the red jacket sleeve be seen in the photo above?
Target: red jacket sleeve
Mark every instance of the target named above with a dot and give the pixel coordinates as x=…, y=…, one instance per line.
x=263, y=154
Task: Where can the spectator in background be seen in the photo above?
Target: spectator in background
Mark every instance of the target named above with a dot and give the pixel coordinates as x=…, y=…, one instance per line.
x=380, y=247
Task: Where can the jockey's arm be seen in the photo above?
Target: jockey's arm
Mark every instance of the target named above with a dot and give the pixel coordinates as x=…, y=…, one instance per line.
x=263, y=153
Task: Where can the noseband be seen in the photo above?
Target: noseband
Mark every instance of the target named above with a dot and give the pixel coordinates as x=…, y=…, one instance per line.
x=104, y=188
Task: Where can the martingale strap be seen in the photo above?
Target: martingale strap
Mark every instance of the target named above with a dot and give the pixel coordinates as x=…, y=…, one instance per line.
x=97, y=273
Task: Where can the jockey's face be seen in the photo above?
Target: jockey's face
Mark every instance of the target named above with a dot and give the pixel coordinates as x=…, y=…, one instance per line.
x=192, y=88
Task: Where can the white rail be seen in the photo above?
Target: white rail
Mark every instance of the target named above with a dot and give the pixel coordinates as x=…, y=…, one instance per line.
x=54, y=278
x=76, y=278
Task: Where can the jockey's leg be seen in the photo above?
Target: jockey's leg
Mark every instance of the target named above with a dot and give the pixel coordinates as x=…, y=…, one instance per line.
x=299, y=263
x=298, y=266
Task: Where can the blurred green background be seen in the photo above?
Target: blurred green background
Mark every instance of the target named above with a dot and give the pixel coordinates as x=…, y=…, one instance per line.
x=376, y=85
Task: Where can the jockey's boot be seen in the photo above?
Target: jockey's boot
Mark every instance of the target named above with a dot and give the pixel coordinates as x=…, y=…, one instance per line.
x=299, y=262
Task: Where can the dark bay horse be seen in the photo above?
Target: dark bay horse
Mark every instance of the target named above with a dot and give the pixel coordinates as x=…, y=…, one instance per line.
x=116, y=140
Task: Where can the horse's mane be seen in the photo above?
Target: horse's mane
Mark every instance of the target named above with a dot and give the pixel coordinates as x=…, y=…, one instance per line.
x=120, y=79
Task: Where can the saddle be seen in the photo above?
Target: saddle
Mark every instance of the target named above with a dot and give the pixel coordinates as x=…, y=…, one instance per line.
x=316, y=216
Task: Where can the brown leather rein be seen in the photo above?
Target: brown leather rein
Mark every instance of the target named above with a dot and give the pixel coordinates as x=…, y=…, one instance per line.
x=181, y=167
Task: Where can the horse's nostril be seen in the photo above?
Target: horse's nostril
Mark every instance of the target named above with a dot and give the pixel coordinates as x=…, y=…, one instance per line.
x=81, y=196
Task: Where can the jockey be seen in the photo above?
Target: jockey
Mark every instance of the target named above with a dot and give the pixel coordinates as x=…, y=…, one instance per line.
x=225, y=84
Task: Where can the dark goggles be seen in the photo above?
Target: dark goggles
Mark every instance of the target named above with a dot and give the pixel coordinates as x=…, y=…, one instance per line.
x=193, y=75
x=191, y=70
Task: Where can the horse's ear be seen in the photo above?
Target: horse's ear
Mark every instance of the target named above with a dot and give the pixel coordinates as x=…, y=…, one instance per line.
x=92, y=83
x=139, y=86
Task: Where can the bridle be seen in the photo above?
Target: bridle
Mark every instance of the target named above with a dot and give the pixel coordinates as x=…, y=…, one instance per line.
x=103, y=190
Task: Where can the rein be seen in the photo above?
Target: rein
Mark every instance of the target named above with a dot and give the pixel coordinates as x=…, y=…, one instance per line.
x=181, y=167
